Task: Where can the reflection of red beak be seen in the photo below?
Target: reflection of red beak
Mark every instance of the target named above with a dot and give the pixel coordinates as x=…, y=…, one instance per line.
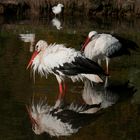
x=33, y=121
x=85, y=44
x=32, y=58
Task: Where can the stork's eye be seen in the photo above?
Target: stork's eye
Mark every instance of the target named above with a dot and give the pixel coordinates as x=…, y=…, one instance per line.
x=36, y=47
x=92, y=36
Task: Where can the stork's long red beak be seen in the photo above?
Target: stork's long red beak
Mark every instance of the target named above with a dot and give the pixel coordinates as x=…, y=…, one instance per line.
x=32, y=58
x=33, y=121
x=85, y=44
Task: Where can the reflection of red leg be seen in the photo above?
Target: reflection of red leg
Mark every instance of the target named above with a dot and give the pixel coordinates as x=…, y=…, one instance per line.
x=61, y=95
x=60, y=88
x=60, y=91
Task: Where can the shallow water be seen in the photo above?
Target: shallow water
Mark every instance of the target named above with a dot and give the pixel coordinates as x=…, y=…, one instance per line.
x=17, y=87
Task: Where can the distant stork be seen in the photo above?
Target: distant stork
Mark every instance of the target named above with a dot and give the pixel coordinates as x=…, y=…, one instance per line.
x=57, y=9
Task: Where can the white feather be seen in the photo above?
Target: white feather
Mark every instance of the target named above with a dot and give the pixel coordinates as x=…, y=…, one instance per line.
x=93, y=77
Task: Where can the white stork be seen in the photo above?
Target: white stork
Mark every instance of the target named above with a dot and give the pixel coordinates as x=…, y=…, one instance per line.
x=105, y=46
x=57, y=9
x=63, y=62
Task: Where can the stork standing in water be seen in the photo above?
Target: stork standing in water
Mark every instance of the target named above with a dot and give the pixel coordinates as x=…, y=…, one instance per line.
x=63, y=62
x=105, y=46
x=57, y=9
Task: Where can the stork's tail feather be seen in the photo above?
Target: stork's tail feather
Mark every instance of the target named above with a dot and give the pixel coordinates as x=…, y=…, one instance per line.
x=93, y=77
x=127, y=43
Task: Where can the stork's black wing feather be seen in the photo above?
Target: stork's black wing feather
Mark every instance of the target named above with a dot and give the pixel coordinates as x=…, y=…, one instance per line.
x=76, y=119
x=126, y=46
x=80, y=65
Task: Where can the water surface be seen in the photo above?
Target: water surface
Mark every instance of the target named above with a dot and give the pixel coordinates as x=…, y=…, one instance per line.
x=120, y=121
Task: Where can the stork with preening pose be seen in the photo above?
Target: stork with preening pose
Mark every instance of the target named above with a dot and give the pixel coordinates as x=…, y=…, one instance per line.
x=63, y=62
x=105, y=46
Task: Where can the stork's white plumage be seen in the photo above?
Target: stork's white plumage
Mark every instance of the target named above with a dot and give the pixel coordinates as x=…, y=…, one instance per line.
x=57, y=9
x=63, y=62
x=105, y=46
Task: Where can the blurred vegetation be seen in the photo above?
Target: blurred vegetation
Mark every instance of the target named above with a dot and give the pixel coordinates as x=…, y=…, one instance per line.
x=88, y=7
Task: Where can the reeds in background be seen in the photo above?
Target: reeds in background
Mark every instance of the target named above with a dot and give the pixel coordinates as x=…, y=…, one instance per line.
x=92, y=7
x=71, y=5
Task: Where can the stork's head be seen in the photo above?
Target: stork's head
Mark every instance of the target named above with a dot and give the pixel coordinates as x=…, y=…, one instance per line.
x=60, y=5
x=40, y=46
x=88, y=39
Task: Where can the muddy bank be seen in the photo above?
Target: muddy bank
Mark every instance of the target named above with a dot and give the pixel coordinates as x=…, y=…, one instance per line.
x=88, y=7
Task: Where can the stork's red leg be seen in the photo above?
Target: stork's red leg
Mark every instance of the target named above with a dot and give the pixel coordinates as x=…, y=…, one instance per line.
x=62, y=90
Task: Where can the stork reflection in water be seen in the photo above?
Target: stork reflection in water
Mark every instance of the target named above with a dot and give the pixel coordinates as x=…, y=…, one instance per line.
x=57, y=23
x=67, y=119
x=106, y=95
x=62, y=121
